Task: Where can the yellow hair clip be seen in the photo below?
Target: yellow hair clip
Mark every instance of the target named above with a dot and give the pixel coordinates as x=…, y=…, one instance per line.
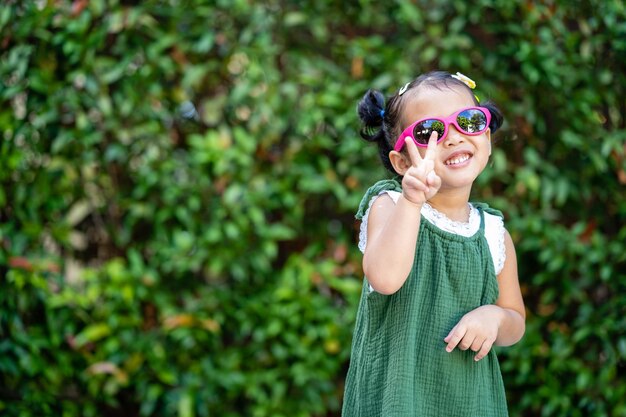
x=465, y=80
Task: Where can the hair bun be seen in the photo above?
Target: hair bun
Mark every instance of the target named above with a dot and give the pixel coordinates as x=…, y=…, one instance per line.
x=371, y=110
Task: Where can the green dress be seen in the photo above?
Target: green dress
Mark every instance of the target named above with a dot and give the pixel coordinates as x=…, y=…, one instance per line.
x=399, y=365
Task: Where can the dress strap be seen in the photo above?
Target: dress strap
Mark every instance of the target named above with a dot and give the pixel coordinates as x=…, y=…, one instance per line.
x=373, y=191
x=485, y=207
x=482, y=219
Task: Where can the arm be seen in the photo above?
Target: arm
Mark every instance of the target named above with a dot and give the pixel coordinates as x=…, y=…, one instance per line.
x=392, y=229
x=502, y=323
x=513, y=323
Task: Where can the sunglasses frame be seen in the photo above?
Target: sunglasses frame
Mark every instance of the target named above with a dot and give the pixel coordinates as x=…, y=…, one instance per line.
x=447, y=121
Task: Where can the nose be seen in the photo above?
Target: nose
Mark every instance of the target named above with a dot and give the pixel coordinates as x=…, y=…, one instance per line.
x=454, y=137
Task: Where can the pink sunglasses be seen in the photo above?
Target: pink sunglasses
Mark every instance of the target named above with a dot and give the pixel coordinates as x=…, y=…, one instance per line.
x=469, y=121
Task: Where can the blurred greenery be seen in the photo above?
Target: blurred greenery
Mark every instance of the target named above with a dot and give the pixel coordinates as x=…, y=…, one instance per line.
x=179, y=179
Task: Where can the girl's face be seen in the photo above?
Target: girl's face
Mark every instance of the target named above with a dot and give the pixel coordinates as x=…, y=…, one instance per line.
x=460, y=158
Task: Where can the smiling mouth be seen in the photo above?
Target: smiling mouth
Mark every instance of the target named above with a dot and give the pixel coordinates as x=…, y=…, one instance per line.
x=458, y=159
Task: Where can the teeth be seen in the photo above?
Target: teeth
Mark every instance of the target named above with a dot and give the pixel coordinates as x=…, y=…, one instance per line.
x=458, y=159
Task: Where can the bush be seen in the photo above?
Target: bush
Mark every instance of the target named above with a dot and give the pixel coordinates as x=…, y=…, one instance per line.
x=179, y=182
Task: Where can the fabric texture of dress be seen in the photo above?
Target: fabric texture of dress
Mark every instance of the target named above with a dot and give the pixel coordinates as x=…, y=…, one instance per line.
x=399, y=366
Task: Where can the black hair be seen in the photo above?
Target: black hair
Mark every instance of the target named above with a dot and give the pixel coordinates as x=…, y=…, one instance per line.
x=381, y=123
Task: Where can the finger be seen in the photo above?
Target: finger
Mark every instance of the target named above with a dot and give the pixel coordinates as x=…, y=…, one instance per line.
x=484, y=350
x=433, y=180
x=477, y=344
x=431, y=150
x=414, y=154
x=449, y=336
x=455, y=336
x=466, y=342
x=409, y=181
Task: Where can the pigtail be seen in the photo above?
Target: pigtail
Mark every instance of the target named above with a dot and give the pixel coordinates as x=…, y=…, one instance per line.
x=371, y=111
x=497, y=118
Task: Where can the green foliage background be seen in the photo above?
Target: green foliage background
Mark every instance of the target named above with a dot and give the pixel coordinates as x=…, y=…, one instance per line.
x=179, y=179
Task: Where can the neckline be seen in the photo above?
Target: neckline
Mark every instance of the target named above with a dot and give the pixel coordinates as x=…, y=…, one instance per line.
x=453, y=224
x=448, y=221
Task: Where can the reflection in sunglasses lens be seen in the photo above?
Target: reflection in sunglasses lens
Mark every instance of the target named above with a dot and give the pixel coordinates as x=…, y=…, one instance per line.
x=422, y=131
x=472, y=121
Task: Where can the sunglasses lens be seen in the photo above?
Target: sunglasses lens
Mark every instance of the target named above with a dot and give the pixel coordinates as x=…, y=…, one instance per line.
x=472, y=121
x=423, y=130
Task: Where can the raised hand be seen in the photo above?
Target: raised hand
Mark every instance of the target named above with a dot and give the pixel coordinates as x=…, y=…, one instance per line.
x=420, y=181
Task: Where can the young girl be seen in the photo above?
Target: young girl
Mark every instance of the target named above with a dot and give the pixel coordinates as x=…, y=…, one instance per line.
x=441, y=284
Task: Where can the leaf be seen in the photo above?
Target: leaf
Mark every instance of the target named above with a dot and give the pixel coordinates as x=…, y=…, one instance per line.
x=92, y=333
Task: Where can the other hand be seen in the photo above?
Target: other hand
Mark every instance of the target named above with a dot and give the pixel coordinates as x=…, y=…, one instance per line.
x=477, y=330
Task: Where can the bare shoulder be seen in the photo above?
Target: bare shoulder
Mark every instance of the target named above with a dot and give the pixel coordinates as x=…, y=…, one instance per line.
x=509, y=271
x=382, y=207
x=508, y=241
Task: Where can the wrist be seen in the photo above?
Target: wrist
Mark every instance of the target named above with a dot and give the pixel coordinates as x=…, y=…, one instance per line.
x=500, y=314
x=417, y=205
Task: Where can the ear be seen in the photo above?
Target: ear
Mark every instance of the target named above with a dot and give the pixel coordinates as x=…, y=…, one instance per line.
x=399, y=162
x=488, y=132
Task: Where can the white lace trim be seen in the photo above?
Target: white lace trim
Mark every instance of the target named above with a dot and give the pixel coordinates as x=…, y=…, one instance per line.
x=363, y=227
x=494, y=228
x=494, y=232
x=443, y=222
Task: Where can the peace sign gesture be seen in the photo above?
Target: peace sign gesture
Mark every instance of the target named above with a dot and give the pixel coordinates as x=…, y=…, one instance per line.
x=420, y=181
